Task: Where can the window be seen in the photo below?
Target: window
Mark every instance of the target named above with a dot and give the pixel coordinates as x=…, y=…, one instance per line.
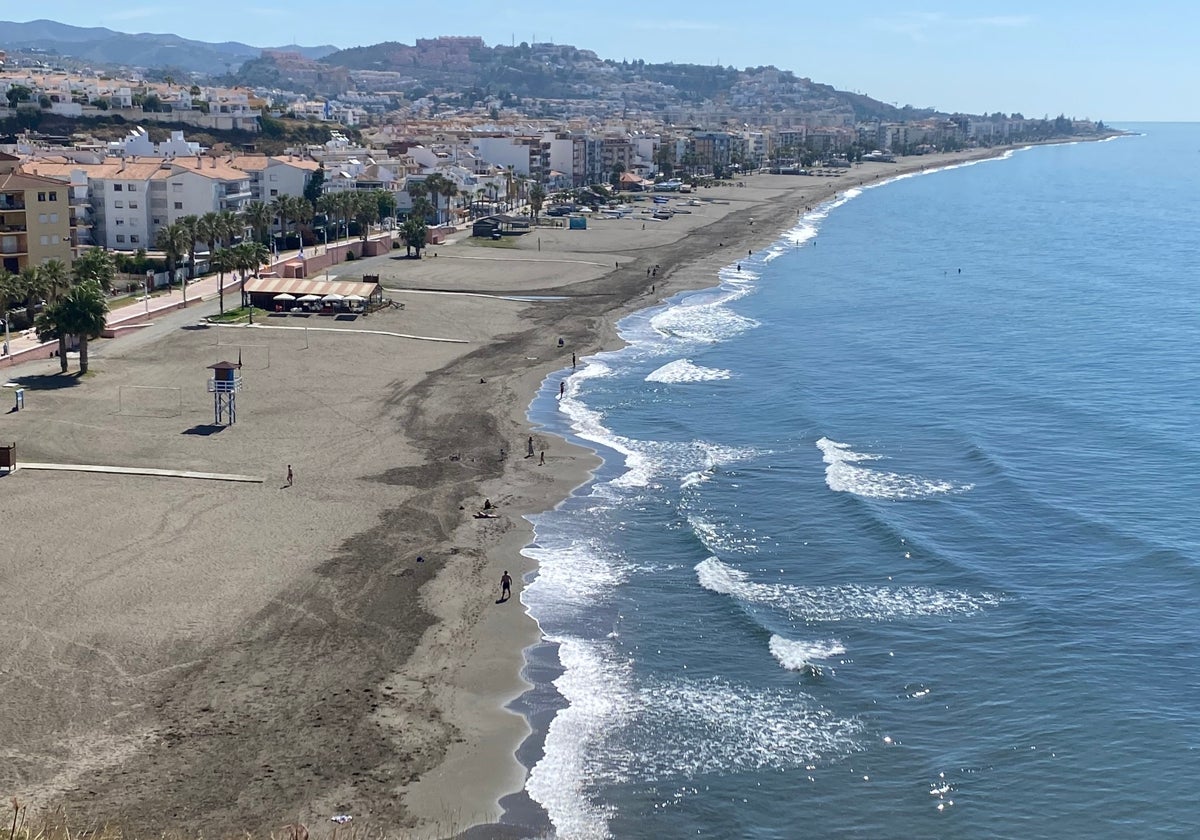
x=41, y=196
x=54, y=240
x=54, y=196
x=53, y=218
x=177, y=187
x=42, y=217
x=133, y=205
x=131, y=187
x=274, y=177
x=120, y=222
x=118, y=187
x=133, y=237
x=120, y=237
x=274, y=193
x=45, y=239
x=156, y=221
x=119, y=204
x=178, y=205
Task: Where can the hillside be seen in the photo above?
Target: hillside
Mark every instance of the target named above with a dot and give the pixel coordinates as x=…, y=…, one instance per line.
x=560, y=71
x=98, y=45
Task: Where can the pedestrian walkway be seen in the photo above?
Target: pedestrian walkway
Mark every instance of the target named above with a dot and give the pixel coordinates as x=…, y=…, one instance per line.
x=111, y=470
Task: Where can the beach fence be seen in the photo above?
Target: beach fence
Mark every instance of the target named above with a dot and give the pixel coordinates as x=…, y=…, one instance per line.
x=149, y=401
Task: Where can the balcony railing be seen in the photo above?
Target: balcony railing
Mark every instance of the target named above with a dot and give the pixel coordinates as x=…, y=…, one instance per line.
x=9, y=203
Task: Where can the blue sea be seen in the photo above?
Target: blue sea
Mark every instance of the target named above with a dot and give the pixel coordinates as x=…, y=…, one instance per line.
x=898, y=528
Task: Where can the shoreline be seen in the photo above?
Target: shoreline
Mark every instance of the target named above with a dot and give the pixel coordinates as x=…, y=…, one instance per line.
x=687, y=273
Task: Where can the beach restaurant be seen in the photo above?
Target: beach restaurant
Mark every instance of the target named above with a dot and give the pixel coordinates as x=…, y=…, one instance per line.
x=286, y=294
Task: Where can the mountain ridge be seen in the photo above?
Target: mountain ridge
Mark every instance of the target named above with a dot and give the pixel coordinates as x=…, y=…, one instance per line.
x=102, y=45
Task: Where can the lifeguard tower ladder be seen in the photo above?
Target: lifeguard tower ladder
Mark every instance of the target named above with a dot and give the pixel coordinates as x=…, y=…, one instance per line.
x=224, y=386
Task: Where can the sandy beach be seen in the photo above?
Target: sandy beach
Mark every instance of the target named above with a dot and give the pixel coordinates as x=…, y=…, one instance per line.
x=223, y=657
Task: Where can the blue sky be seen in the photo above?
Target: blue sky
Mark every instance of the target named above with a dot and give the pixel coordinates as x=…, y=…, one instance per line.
x=1101, y=59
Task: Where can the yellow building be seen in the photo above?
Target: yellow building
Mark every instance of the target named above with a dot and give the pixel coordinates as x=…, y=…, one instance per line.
x=35, y=218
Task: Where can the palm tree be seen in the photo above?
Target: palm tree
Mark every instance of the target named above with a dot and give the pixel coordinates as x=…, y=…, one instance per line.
x=279, y=209
x=510, y=175
x=435, y=183
x=258, y=216
x=174, y=241
x=80, y=313
x=191, y=226
x=95, y=264
x=449, y=190
x=366, y=212
x=211, y=229
x=414, y=233
x=231, y=227
x=223, y=260
x=249, y=256
x=416, y=191
x=537, y=198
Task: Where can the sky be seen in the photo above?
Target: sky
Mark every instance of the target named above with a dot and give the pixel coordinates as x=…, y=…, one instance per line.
x=1097, y=59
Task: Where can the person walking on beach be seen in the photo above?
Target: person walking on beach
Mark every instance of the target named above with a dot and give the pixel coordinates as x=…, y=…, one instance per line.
x=505, y=586
x=289, y=476
x=542, y=459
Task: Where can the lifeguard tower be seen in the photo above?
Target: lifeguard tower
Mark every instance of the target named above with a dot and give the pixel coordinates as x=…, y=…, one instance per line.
x=224, y=386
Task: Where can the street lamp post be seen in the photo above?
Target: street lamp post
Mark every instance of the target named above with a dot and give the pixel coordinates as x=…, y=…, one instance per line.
x=325, y=233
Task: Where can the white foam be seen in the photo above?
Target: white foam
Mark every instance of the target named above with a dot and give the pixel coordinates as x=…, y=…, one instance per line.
x=795, y=655
x=722, y=537
x=578, y=573
x=558, y=782
x=684, y=370
x=703, y=324
x=845, y=602
x=681, y=729
x=844, y=474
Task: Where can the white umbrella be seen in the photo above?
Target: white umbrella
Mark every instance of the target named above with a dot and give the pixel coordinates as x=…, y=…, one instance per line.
x=308, y=298
x=284, y=296
x=355, y=298
x=332, y=296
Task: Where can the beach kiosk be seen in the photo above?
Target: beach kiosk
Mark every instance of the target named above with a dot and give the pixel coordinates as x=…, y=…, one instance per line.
x=8, y=457
x=225, y=383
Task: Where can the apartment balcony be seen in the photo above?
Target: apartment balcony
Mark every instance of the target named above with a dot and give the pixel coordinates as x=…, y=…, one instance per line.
x=13, y=228
x=14, y=245
x=11, y=202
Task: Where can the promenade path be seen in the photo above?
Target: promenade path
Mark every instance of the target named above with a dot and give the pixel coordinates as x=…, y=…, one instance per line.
x=24, y=346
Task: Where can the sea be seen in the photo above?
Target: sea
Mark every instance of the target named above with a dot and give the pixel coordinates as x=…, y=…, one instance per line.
x=897, y=531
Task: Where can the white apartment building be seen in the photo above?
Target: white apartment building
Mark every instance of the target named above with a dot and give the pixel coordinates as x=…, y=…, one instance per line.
x=129, y=202
x=272, y=177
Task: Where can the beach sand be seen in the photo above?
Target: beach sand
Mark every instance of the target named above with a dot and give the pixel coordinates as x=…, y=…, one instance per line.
x=222, y=657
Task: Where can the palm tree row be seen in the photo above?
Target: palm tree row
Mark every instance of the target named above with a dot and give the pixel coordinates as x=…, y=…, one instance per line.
x=245, y=257
x=72, y=299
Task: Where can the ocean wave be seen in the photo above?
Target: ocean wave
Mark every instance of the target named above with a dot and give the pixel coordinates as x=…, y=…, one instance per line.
x=618, y=728
x=702, y=324
x=796, y=655
x=692, y=462
x=844, y=474
x=684, y=370
x=722, y=537
x=844, y=602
